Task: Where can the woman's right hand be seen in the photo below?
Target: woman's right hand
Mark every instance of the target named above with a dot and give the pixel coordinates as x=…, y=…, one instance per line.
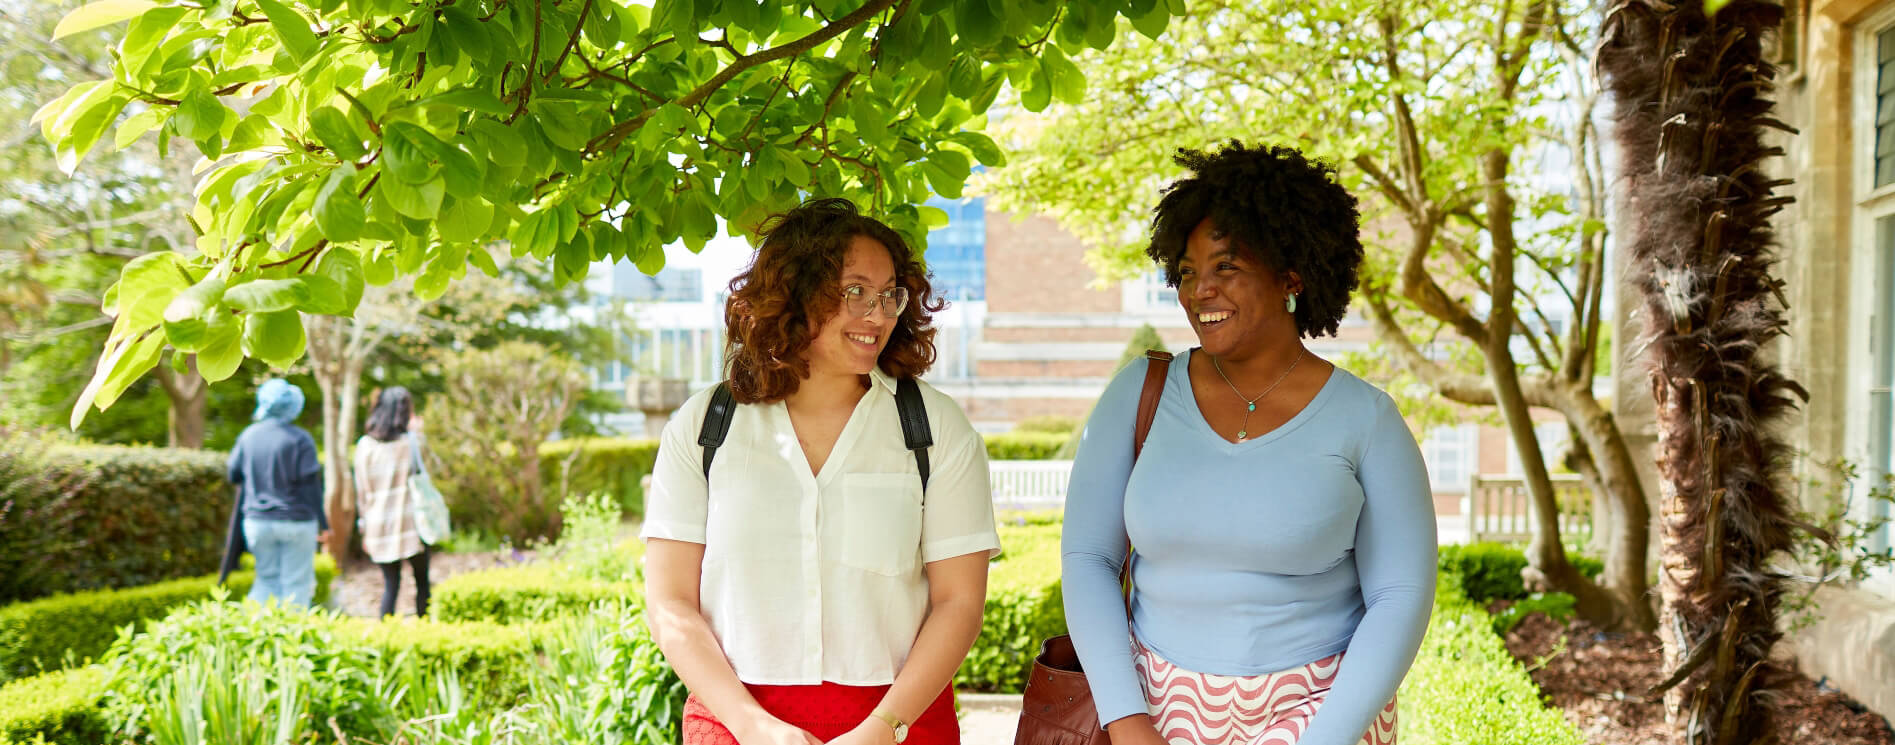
x=770, y=730
x=1134, y=730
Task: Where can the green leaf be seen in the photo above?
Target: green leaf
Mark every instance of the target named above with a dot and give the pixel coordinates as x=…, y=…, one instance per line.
x=326, y=296
x=964, y=77
x=976, y=23
x=1038, y=92
x=484, y=261
x=1711, y=7
x=146, y=285
x=421, y=202
x=187, y=317
x=221, y=353
x=947, y=172
x=87, y=128
x=504, y=145
x=331, y=128
x=137, y=125
x=1152, y=24
x=463, y=173
x=982, y=147
x=199, y=115
x=467, y=219
x=98, y=15
x=476, y=99
x=700, y=221
x=144, y=35
x=651, y=258
x=378, y=270
x=267, y=295
x=408, y=153
x=344, y=267
x=275, y=338
x=292, y=28
x=537, y=234
x=125, y=359
x=1068, y=83
x=572, y=257
x=933, y=93
x=338, y=210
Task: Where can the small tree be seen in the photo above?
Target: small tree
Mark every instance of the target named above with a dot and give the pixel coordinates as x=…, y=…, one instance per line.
x=499, y=405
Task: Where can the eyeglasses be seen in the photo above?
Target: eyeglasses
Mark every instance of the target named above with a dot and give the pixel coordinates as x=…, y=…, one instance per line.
x=859, y=301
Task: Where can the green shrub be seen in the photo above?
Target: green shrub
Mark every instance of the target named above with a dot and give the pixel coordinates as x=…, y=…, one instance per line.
x=491, y=658
x=607, y=465
x=139, y=515
x=37, y=519
x=1558, y=606
x=531, y=592
x=1023, y=608
x=1024, y=446
x=1491, y=571
x=604, y=680
x=1052, y=424
x=39, y=634
x=1465, y=687
x=63, y=706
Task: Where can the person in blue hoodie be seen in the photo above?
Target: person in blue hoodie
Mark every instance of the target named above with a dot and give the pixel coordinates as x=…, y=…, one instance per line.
x=279, y=483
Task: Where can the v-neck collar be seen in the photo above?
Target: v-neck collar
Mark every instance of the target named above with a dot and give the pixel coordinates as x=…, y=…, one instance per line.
x=1308, y=411
x=880, y=385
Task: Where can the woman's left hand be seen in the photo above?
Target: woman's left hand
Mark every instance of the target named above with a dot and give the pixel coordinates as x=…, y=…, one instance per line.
x=870, y=732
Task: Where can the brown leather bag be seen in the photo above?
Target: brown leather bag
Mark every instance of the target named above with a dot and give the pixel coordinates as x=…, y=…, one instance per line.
x=1057, y=707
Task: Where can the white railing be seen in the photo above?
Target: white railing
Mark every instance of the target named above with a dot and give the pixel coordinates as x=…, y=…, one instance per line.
x=1029, y=484
x=1499, y=509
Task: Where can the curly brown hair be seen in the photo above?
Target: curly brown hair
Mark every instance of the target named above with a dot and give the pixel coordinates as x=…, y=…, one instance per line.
x=1285, y=210
x=790, y=289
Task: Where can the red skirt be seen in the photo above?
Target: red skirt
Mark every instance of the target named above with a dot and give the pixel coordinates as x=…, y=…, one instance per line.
x=827, y=711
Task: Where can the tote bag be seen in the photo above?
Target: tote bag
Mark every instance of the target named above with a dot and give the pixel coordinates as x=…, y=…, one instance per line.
x=424, y=501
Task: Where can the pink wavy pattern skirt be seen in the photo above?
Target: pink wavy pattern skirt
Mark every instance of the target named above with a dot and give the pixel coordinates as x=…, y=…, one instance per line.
x=1191, y=708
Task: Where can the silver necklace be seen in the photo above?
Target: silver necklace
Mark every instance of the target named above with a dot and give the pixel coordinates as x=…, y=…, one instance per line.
x=1250, y=404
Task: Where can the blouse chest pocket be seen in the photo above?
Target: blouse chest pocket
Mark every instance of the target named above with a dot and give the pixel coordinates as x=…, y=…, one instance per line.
x=881, y=522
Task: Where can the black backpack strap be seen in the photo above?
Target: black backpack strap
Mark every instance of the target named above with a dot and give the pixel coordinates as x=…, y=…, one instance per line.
x=914, y=423
x=717, y=423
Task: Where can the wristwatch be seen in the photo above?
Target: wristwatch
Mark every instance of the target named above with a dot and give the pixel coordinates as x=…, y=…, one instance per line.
x=900, y=727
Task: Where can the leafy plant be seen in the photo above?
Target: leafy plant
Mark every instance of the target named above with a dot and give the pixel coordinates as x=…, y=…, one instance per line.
x=499, y=405
x=1835, y=541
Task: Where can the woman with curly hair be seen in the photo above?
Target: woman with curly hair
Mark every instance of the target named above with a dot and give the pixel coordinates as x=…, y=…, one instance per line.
x=811, y=582
x=1283, y=524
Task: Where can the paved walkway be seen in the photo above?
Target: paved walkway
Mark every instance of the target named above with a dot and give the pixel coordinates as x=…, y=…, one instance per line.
x=989, y=718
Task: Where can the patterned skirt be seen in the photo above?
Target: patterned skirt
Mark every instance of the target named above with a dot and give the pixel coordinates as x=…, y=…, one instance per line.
x=1191, y=708
x=826, y=711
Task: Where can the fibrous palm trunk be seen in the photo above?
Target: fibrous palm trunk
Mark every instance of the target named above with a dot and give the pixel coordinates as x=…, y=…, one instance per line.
x=1692, y=95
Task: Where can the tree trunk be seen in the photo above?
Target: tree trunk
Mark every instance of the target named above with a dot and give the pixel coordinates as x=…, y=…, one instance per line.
x=189, y=396
x=1692, y=94
x=1628, y=514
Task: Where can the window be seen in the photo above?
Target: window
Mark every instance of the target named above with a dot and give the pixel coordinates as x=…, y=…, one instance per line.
x=1884, y=154
x=1449, y=453
x=1881, y=440
x=1149, y=293
x=957, y=252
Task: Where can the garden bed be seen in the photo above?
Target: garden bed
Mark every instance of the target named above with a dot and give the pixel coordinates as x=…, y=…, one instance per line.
x=1599, y=681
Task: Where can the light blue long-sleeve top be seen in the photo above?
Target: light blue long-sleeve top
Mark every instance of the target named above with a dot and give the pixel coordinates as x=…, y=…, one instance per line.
x=1255, y=557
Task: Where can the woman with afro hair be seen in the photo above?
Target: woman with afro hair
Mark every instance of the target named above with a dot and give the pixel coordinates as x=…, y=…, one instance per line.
x=1283, y=524
x=807, y=578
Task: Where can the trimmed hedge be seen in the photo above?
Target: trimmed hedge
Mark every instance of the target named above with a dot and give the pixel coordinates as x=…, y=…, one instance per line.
x=1024, y=446
x=39, y=634
x=610, y=465
x=141, y=515
x=493, y=657
x=532, y=592
x=1465, y=687
x=62, y=705
x=1024, y=606
x=1491, y=571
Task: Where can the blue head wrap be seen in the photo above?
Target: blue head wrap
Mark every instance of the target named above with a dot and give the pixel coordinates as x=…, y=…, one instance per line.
x=277, y=399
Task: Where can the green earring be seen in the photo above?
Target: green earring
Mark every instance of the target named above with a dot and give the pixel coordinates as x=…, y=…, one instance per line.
x=1289, y=303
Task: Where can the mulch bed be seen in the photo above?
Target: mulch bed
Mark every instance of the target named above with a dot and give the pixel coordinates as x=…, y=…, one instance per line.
x=1599, y=681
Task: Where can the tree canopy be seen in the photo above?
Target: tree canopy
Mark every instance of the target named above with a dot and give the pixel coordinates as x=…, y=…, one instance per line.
x=355, y=141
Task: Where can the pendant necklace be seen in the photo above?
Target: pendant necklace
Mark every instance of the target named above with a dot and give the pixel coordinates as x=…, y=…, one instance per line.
x=1250, y=404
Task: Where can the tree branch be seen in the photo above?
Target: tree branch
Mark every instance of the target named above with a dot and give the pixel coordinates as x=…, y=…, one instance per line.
x=611, y=137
